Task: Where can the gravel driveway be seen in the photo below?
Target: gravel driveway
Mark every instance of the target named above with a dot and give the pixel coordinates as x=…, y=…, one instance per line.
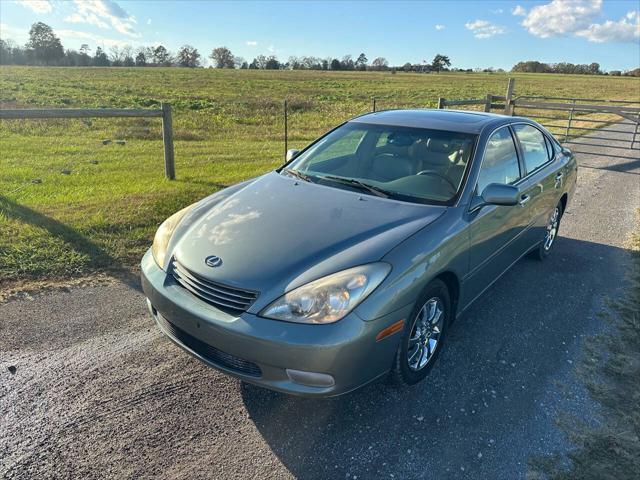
x=97, y=392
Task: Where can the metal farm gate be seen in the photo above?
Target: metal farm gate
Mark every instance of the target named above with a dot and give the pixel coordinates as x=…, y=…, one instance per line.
x=588, y=126
x=580, y=123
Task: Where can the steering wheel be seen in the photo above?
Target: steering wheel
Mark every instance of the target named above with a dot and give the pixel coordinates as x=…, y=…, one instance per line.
x=433, y=173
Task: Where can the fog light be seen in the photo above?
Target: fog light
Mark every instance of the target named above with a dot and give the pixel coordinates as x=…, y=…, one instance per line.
x=310, y=379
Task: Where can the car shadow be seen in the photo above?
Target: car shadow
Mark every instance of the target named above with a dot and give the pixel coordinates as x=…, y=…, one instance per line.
x=488, y=405
x=100, y=258
x=624, y=167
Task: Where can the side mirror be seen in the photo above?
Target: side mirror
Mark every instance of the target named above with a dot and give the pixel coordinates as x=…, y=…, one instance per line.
x=292, y=153
x=496, y=194
x=500, y=194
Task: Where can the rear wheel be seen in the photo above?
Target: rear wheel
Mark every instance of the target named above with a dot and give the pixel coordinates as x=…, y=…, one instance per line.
x=551, y=233
x=423, y=335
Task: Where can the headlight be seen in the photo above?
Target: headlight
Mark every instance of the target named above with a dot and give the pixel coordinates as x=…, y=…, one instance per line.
x=330, y=298
x=163, y=235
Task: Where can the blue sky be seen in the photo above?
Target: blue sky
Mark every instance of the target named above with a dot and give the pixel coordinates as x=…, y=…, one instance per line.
x=472, y=33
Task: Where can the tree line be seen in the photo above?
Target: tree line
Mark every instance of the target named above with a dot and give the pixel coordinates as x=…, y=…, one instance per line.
x=532, y=66
x=45, y=48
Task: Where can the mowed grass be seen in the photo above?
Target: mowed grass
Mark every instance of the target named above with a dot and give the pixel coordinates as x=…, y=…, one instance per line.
x=70, y=205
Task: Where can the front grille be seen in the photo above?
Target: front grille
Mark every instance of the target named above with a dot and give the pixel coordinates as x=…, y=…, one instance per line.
x=215, y=356
x=229, y=299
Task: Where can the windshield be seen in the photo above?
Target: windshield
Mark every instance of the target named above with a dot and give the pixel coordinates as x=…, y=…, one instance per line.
x=411, y=164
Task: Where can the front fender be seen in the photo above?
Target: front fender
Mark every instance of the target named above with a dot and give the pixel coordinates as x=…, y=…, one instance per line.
x=440, y=247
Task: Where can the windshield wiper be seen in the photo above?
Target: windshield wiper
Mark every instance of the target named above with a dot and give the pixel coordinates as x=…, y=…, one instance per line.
x=361, y=185
x=297, y=174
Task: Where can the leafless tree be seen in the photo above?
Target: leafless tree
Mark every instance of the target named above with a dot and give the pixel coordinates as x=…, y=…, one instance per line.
x=347, y=63
x=294, y=63
x=380, y=63
x=312, y=63
x=261, y=62
x=116, y=56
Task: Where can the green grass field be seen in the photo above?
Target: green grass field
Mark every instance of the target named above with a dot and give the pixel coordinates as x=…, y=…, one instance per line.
x=101, y=213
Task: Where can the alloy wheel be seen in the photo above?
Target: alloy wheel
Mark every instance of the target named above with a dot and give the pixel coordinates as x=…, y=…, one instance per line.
x=552, y=229
x=425, y=334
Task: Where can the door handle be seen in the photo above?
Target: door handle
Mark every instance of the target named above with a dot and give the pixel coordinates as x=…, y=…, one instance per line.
x=523, y=200
x=559, y=179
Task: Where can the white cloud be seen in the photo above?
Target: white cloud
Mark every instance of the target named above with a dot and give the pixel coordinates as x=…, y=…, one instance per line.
x=519, y=11
x=251, y=43
x=88, y=19
x=149, y=21
x=497, y=11
x=71, y=36
x=440, y=27
x=561, y=17
x=578, y=18
x=19, y=35
x=104, y=14
x=271, y=49
x=38, y=6
x=626, y=30
x=483, y=29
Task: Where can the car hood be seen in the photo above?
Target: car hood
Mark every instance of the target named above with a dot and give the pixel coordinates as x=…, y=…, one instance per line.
x=277, y=233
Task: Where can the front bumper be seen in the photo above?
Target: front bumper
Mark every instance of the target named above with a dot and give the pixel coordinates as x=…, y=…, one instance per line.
x=346, y=350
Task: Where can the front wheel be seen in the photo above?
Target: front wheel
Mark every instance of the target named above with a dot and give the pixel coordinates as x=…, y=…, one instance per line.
x=423, y=335
x=550, y=234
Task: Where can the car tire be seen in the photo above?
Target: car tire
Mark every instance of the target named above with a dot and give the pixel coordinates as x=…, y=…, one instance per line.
x=545, y=247
x=405, y=369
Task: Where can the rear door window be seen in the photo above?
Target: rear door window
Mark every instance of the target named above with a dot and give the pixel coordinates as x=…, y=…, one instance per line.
x=533, y=145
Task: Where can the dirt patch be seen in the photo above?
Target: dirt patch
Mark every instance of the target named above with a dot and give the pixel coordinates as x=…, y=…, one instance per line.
x=27, y=289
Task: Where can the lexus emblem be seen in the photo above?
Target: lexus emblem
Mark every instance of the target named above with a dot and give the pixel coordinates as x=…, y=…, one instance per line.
x=213, y=261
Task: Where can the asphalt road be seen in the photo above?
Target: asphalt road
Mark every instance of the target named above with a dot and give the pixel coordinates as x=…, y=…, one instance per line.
x=97, y=392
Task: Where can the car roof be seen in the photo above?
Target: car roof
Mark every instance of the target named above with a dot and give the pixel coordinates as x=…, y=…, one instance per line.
x=450, y=120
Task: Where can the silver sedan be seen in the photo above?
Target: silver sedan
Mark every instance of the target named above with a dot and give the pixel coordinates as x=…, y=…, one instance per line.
x=350, y=262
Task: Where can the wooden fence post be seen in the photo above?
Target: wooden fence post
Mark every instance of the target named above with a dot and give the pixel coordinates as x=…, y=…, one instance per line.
x=167, y=138
x=441, y=103
x=508, y=106
x=374, y=104
x=487, y=104
x=286, y=129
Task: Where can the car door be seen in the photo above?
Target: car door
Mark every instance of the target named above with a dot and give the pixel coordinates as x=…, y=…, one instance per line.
x=495, y=231
x=542, y=182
